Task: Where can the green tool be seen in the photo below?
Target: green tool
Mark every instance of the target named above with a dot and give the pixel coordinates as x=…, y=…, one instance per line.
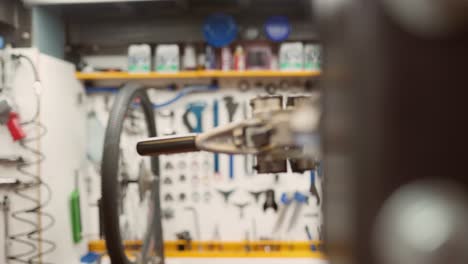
x=75, y=211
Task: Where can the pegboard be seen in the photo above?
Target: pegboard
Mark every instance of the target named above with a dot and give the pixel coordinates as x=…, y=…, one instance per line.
x=192, y=174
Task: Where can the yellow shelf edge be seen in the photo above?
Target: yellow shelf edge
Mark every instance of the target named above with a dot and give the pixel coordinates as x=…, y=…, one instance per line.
x=83, y=76
x=223, y=254
x=229, y=249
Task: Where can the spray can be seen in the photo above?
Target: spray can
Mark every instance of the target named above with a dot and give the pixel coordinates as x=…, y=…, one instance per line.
x=226, y=58
x=210, y=58
x=239, y=59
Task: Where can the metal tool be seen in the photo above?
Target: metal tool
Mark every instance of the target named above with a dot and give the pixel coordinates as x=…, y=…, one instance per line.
x=145, y=181
x=134, y=124
x=231, y=167
x=168, y=166
x=167, y=213
x=231, y=108
x=216, y=234
x=249, y=160
x=196, y=222
x=319, y=170
x=184, y=236
x=11, y=160
x=216, y=124
x=168, y=114
x=241, y=207
x=226, y=194
x=277, y=178
x=167, y=181
x=8, y=183
x=313, y=188
x=243, y=86
x=270, y=201
x=247, y=239
x=299, y=200
x=168, y=198
x=320, y=232
x=312, y=215
x=182, y=178
x=310, y=237
x=254, y=229
x=256, y=195
x=5, y=207
x=286, y=200
x=196, y=109
x=275, y=135
x=271, y=88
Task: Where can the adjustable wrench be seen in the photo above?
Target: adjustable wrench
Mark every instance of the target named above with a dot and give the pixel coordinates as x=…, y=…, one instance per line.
x=286, y=199
x=313, y=187
x=231, y=107
x=299, y=199
x=196, y=221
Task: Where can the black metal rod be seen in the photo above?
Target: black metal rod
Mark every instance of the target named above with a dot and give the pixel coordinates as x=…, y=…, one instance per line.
x=167, y=145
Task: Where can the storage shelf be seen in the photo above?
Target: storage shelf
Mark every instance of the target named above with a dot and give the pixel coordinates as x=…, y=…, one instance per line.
x=95, y=76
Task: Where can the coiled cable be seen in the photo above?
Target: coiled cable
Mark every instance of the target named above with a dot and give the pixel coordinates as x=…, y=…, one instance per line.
x=36, y=247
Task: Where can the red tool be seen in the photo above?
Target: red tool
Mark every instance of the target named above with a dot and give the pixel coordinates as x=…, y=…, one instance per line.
x=14, y=127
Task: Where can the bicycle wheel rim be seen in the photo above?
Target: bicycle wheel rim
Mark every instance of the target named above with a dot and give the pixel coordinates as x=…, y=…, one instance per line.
x=110, y=183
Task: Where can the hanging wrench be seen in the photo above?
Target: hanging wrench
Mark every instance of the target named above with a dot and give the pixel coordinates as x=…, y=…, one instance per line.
x=5, y=207
x=196, y=221
x=313, y=188
x=216, y=124
x=231, y=107
x=299, y=199
x=286, y=199
x=249, y=160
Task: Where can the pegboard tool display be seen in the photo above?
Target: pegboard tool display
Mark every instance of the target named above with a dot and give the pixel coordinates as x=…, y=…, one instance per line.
x=214, y=197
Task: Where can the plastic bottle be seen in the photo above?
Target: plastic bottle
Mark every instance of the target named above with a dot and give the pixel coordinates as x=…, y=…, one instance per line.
x=190, y=58
x=312, y=57
x=239, y=59
x=291, y=56
x=167, y=58
x=226, y=58
x=139, y=58
x=210, y=59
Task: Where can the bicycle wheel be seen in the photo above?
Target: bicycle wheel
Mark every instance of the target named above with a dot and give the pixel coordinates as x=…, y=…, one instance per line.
x=115, y=183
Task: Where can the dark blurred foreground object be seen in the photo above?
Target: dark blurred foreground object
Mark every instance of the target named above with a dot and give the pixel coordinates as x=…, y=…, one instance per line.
x=395, y=133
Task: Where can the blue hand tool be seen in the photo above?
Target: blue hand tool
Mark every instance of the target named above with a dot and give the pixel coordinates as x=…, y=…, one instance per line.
x=197, y=109
x=286, y=199
x=300, y=200
x=216, y=124
x=231, y=108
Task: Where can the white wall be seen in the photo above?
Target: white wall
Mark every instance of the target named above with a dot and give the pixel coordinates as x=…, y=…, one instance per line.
x=63, y=145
